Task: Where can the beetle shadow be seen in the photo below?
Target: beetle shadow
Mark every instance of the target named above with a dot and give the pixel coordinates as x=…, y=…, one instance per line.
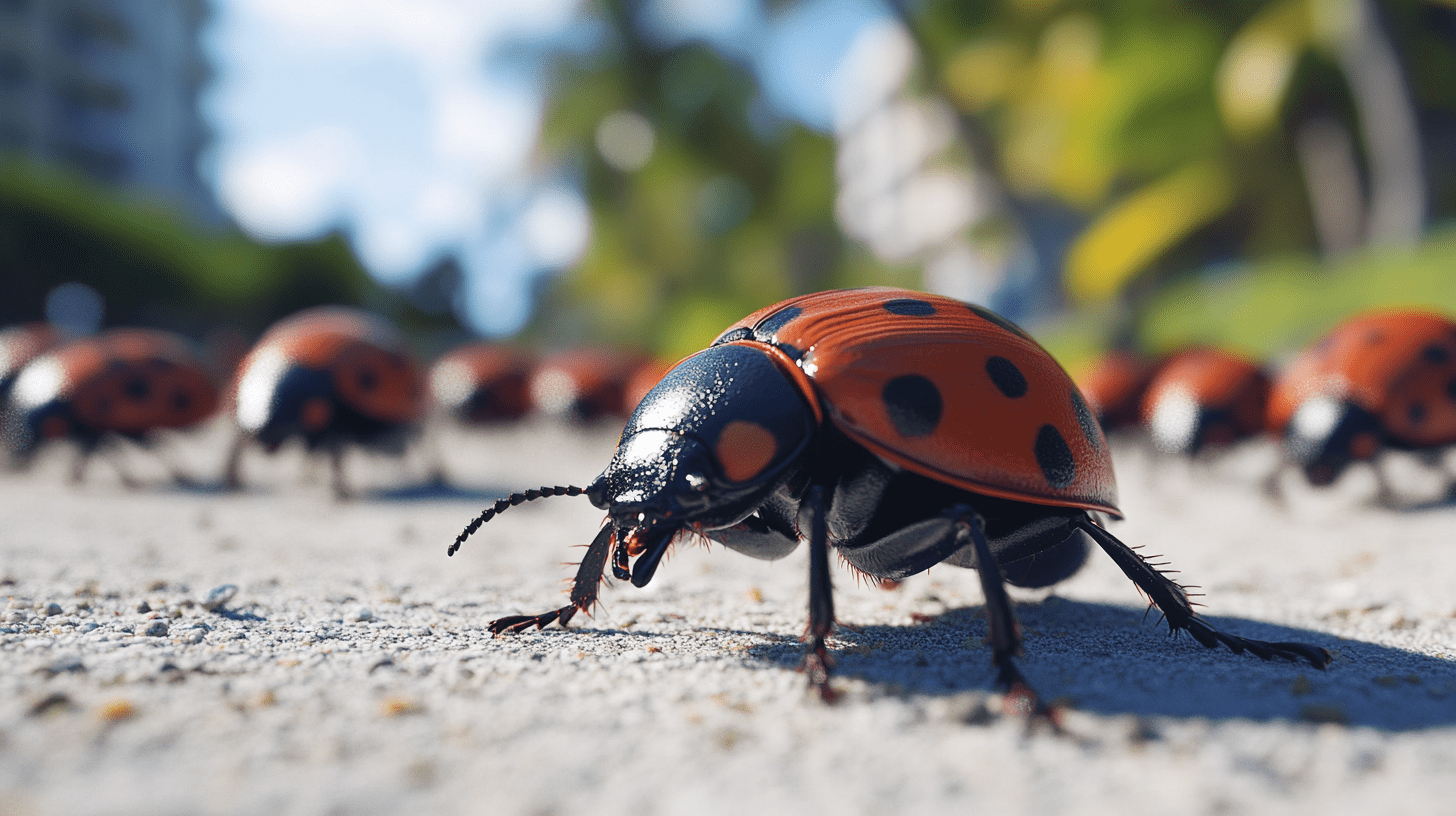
x=1106, y=659
x=434, y=490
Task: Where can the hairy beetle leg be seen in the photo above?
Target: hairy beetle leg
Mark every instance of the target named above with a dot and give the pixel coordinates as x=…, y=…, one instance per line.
x=1172, y=600
x=584, y=588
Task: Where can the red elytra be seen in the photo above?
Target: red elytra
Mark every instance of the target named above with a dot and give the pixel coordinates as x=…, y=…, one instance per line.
x=1399, y=365
x=1114, y=386
x=1010, y=422
x=483, y=382
x=584, y=383
x=1227, y=391
x=366, y=357
x=132, y=381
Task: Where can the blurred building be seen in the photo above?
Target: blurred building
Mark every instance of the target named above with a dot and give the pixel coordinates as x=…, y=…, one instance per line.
x=109, y=88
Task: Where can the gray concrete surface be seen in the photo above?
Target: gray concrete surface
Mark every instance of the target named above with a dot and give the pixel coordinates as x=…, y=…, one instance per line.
x=352, y=672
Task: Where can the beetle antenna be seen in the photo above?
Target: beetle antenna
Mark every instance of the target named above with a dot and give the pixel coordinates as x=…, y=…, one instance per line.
x=510, y=501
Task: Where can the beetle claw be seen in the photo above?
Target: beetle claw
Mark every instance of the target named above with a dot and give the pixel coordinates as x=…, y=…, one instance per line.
x=816, y=665
x=515, y=624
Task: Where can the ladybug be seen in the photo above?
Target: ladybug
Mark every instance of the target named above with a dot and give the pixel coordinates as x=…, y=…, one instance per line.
x=900, y=429
x=18, y=346
x=123, y=383
x=1384, y=379
x=584, y=384
x=481, y=383
x=1204, y=398
x=332, y=377
x=643, y=380
x=1114, y=387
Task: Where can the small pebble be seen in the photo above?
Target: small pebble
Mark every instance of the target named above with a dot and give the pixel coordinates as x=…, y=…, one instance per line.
x=193, y=637
x=364, y=614
x=52, y=608
x=17, y=617
x=88, y=626
x=144, y=607
x=117, y=710
x=157, y=628
x=218, y=597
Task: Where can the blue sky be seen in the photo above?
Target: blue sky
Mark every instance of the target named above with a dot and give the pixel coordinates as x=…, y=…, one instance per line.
x=380, y=118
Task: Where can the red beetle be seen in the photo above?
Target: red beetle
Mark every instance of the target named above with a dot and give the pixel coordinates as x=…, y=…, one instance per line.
x=332, y=377
x=126, y=382
x=644, y=379
x=903, y=430
x=483, y=382
x=1204, y=398
x=1381, y=379
x=1114, y=387
x=584, y=384
x=18, y=346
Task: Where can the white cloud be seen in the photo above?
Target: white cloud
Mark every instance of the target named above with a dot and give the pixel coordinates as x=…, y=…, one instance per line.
x=378, y=117
x=291, y=186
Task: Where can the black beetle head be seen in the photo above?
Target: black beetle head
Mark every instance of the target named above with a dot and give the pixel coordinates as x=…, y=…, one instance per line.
x=1326, y=434
x=707, y=444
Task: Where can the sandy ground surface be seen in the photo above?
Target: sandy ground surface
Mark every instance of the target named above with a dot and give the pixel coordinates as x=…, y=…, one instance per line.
x=352, y=673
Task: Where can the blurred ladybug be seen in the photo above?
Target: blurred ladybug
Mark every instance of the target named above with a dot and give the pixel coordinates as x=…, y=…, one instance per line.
x=644, y=379
x=901, y=429
x=1204, y=398
x=1381, y=379
x=480, y=383
x=583, y=385
x=123, y=383
x=18, y=346
x=332, y=377
x=1114, y=387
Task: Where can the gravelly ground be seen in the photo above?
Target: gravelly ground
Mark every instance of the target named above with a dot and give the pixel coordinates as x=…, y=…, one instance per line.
x=352, y=672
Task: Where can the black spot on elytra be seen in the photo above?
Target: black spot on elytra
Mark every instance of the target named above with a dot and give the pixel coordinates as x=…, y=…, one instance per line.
x=1088, y=423
x=181, y=401
x=1436, y=355
x=368, y=380
x=909, y=307
x=769, y=326
x=740, y=333
x=913, y=403
x=794, y=352
x=1054, y=457
x=990, y=316
x=137, y=388
x=1008, y=378
x=1416, y=412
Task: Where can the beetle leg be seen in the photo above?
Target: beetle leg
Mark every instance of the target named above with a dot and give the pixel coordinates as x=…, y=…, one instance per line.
x=821, y=593
x=1172, y=600
x=584, y=589
x=1002, y=630
x=336, y=468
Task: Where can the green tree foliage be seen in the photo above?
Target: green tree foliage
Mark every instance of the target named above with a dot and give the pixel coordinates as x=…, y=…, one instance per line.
x=153, y=268
x=730, y=209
